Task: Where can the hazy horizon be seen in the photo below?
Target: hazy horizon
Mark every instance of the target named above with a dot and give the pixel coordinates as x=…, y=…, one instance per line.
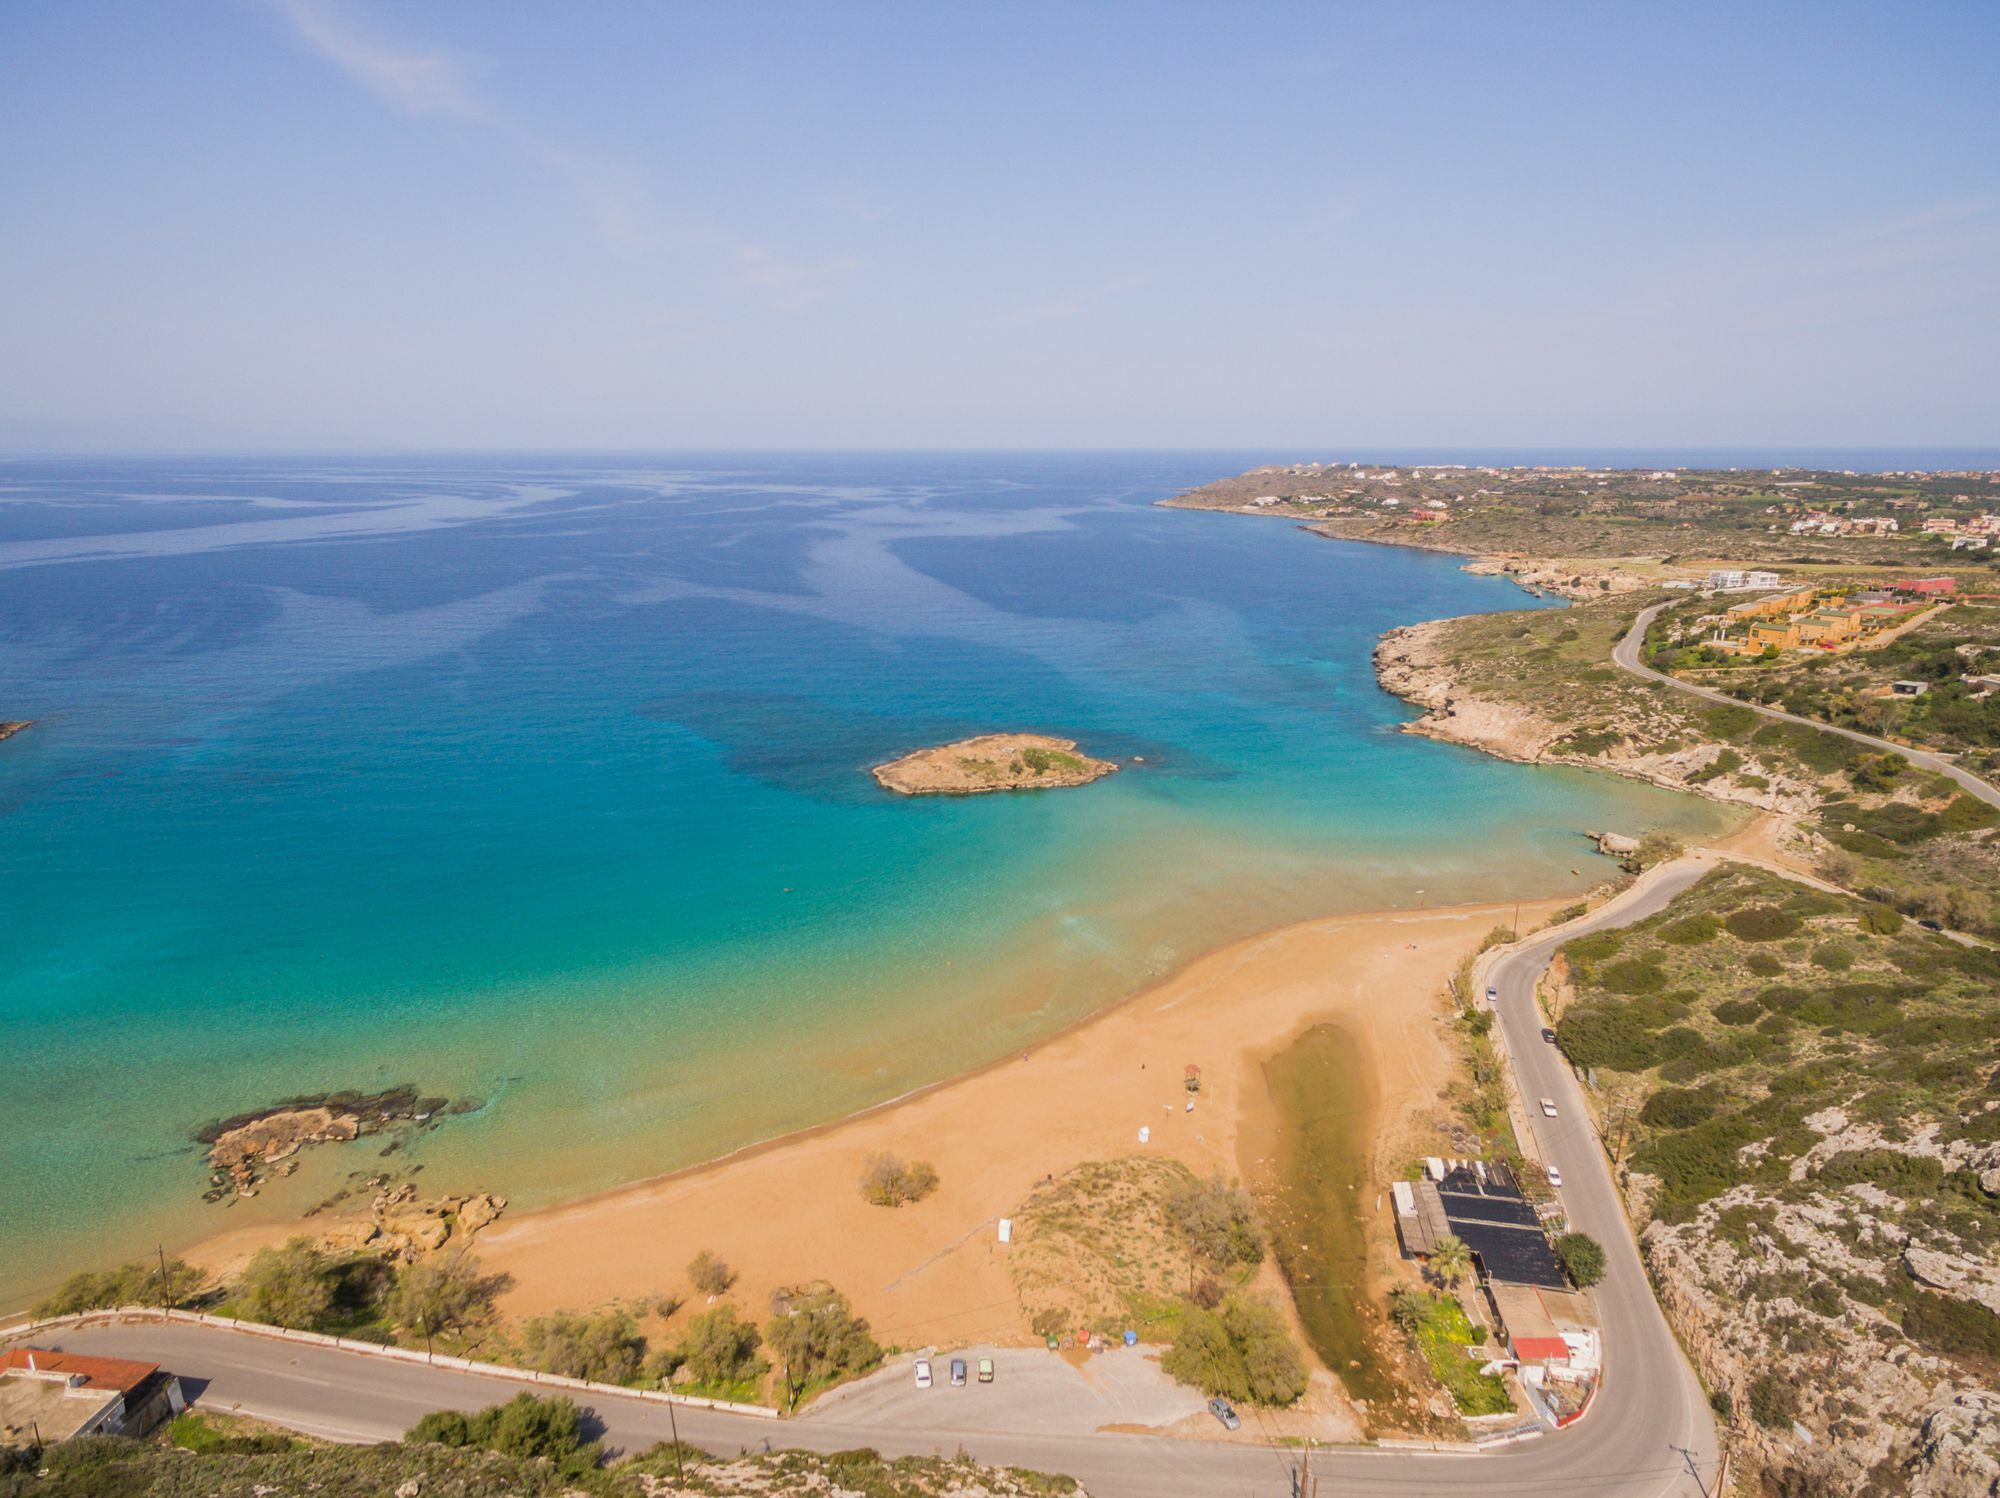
x=337, y=225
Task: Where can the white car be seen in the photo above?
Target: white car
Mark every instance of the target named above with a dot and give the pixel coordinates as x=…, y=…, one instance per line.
x=1549, y=1106
x=1555, y=1176
x=923, y=1373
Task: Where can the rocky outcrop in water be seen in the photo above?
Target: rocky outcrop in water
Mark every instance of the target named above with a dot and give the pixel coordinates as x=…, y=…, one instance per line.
x=244, y=1149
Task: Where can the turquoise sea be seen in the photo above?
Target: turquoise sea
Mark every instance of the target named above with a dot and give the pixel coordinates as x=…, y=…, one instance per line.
x=542, y=780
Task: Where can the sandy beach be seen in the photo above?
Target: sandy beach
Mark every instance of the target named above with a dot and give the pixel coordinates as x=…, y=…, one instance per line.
x=934, y=1272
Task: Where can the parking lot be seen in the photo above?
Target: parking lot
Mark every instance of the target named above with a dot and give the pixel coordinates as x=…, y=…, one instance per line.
x=1031, y=1390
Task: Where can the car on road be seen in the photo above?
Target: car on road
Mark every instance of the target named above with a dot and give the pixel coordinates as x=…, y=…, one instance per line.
x=1222, y=1410
x=986, y=1370
x=1492, y=994
x=958, y=1373
x=1555, y=1176
x=1548, y=1035
x=923, y=1373
x=1549, y=1106
x=1930, y=925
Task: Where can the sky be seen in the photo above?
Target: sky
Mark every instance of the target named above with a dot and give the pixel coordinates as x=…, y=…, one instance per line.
x=1076, y=224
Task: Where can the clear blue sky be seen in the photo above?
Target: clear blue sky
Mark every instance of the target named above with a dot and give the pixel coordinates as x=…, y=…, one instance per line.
x=944, y=224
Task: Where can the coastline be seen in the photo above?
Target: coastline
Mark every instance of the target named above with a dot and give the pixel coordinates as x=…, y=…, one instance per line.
x=787, y=1210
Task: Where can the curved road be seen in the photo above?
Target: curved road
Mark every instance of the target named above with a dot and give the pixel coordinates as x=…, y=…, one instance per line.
x=1626, y=653
x=1648, y=1434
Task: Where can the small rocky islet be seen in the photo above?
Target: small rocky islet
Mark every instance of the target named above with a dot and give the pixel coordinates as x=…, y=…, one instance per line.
x=992, y=762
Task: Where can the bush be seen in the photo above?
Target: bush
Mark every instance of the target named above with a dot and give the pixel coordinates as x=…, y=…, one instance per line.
x=1692, y=931
x=525, y=1427
x=1678, y=1108
x=1605, y=1035
x=1881, y=920
x=1833, y=957
x=1655, y=847
x=888, y=1182
x=1738, y=1011
x=1774, y=1404
x=1761, y=923
x=1243, y=1352
x=134, y=1284
x=1635, y=975
x=604, y=1348
x=1582, y=1258
x=818, y=1336
x=1764, y=964
x=709, y=1274
x=1956, y=1328
x=441, y=1297
x=1216, y=1220
x=721, y=1348
x=289, y=1286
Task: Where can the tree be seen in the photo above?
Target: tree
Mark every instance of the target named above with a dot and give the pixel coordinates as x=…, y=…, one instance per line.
x=817, y=1335
x=289, y=1286
x=1406, y=1309
x=136, y=1284
x=1217, y=1221
x=440, y=1297
x=719, y=1347
x=1242, y=1352
x=888, y=1182
x=1582, y=1258
x=526, y=1427
x=709, y=1274
x=604, y=1348
x=1451, y=1259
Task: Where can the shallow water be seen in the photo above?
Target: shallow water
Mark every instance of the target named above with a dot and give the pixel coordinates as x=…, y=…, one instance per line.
x=543, y=781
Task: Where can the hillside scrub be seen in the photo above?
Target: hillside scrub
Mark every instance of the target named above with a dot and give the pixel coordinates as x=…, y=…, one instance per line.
x=1818, y=1120
x=1243, y=1352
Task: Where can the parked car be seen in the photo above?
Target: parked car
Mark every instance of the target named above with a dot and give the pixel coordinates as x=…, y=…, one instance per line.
x=1220, y=1408
x=1549, y=1106
x=986, y=1370
x=1555, y=1176
x=1930, y=925
x=1548, y=1035
x=923, y=1373
x=958, y=1373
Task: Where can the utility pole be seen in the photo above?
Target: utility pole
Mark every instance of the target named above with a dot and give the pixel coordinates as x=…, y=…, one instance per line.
x=1694, y=1470
x=166, y=1296
x=675, y=1426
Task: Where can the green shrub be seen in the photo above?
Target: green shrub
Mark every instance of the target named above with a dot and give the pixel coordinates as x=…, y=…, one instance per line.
x=1634, y=975
x=1774, y=1404
x=526, y=1427
x=1738, y=1011
x=134, y=1284
x=289, y=1286
x=816, y=1335
x=1764, y=964
x=1677, y=1108
x=1832, y=956
x=1956, y=1328
x=604, y=1348
x=710, y=1275
x=1582, y=1258
x=1605, y=1035
x=1691, y=931
x=1968, y=814
x=888, y=1182
x=1244, y=1352
x=1217, y=1220
x=719, y=1348
x=1761, y=923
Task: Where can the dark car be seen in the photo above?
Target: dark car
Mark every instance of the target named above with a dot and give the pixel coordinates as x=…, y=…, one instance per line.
x=958, y=1373
x=1932, y=925
x=1220, y=1408
x=1548, y=1035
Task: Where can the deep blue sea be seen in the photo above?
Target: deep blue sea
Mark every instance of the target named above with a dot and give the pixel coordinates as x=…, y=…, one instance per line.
x=543, y=781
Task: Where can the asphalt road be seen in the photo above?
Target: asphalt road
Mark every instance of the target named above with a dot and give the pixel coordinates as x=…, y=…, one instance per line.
x=1626, y=654
x=1647, y=1435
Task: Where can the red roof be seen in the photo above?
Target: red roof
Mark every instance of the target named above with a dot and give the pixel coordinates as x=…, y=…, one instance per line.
x=1541, y=1349
x=98, y=1373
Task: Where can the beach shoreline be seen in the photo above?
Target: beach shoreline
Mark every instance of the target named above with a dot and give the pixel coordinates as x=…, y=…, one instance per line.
x=787, y=1210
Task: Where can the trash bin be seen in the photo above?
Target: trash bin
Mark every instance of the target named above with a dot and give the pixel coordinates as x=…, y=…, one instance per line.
x=1131, y=1337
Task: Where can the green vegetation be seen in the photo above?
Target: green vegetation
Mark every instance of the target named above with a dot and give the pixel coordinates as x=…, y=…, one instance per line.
x=1217, y=1221
x=288, y=1286
x=1045, y=761
x=1243, y=1352
x=888, y=1182
x=442, y=1297
x=135, y=1284
x=605, y=1347
x=710, y=1275
x=817, y=1340
x=527, y=1428
x=1443, y=1333
x=1582, y=1258
x=200, y=1433
x=719, y=1351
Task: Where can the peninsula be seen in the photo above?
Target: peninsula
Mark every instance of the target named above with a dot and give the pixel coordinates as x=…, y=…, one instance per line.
x=13, y=726
x=992, y=762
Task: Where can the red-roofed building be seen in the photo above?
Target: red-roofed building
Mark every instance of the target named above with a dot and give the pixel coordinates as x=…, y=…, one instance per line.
x=1541, y=1349
x=1928, y=587
x=50, y=1396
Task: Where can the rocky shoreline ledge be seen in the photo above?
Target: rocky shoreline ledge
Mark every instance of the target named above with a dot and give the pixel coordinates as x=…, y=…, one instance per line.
x=13, y=726
x=992, y=762
x=244, y=1149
